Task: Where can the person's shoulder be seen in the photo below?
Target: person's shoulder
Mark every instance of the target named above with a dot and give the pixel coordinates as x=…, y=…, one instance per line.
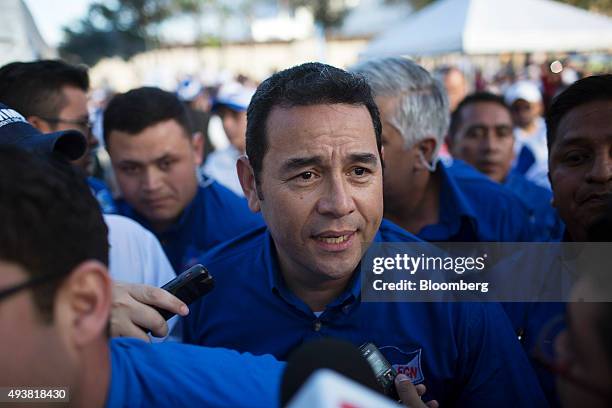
x=478, y=188
x=527, y=189
x=212, y=190
x=240, y=248
x=390, y=232
x=140, y=350
x=134, y=360
x=122, y=226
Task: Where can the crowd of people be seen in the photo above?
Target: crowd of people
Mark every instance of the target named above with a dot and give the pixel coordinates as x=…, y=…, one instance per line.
x=320, y=162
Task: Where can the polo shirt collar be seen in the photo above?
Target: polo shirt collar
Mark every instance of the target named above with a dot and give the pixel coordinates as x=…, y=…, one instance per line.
x=455, y=209
x=277, y=284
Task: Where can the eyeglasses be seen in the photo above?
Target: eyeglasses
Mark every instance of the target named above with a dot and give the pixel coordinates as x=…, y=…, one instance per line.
x=30, y=283
x=83, y=124
x=546, y=354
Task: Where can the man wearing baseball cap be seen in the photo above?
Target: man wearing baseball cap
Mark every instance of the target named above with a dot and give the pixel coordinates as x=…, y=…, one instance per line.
x=531, y=154
x=230, y=104
x=15, y=130
x=135, y=255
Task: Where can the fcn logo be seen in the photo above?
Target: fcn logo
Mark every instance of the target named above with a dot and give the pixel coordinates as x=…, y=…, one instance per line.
x=405, y=362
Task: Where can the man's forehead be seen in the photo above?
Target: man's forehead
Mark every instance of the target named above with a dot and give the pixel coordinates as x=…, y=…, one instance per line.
x=586, y=124
x=318, y=128
x=485, y=111
x=10, y=273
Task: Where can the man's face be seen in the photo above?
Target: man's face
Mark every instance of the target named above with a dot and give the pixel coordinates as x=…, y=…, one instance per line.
x=524, y=113
x=456, y=88
x=485, y=139
x=234, y=125
x=75, y=116
x=400, y=162
x=156, y=170
x=321, y=188
x=582, y=351
x=31, y=351
x=580, y=166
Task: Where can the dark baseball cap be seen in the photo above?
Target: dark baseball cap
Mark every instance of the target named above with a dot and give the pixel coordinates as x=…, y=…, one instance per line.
x=16, y=131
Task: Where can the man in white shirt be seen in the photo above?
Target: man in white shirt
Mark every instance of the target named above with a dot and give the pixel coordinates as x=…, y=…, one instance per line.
x=136, y=256
x=231, y=105
x=531, y=153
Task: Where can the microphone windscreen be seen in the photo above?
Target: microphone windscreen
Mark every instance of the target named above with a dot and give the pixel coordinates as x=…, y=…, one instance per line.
x=333, y=354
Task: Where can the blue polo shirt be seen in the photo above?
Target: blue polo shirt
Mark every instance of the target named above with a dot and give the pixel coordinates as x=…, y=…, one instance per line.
x=474, y=208
x=215, y=215
x=547, y=226
x=465, y=353
x=179, y=375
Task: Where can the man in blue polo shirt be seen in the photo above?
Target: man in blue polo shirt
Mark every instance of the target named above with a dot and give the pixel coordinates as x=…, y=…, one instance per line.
x=480, y=133
x=155, y=158
x=580, y=170
x=421, y=195
x=55, y=298
x=314, y=170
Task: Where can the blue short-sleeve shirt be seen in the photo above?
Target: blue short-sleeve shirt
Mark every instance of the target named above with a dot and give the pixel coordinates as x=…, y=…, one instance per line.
x=474, y=208
x=181, y=375
x=215, y=215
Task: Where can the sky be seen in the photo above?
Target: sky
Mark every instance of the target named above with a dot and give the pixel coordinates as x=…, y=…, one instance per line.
x=51, y=15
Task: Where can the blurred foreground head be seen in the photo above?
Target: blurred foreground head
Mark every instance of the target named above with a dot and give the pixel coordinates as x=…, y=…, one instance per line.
x=54, y=286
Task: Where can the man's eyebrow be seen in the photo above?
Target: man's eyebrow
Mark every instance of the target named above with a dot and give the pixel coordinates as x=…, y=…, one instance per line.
x=133, y=162
x=296, y=163
x=129, y=162
x=366, y=158
x=573, y=140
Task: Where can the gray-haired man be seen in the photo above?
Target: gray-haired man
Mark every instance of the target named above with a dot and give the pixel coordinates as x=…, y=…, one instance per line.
x=436, y=202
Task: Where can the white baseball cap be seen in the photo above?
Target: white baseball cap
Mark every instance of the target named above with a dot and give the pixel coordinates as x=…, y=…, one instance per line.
x=525, y=90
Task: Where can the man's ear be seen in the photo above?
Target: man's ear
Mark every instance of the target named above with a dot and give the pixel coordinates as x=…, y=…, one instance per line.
x=83, y=302
x=247, y=181
x=39, y=123
x=197, y=141
x=426, y=147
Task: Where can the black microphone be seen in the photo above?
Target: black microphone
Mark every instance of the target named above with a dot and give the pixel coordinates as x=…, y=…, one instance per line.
x=333, y=354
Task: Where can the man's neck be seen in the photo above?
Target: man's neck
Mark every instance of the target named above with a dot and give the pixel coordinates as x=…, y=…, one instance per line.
x=531, y=128
x=419, y=208
x=316, y=292
x=93, y=380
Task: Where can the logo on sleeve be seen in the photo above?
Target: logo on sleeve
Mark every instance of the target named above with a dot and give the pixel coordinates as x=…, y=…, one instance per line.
x=405, y=362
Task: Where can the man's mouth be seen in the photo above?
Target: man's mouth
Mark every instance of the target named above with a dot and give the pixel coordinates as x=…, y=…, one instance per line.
x=597, y=198
x=335, y=240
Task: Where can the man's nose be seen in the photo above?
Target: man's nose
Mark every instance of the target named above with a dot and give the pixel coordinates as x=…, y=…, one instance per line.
x=337, y=200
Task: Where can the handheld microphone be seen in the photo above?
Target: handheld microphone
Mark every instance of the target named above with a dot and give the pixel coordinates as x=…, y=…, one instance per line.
x=337, y=355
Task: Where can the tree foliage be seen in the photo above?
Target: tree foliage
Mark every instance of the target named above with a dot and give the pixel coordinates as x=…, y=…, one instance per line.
x=126, y=27
x=121, y=28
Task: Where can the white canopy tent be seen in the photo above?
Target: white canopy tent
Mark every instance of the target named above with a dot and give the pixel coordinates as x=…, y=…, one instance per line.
x=481, y=27
x=20, y=39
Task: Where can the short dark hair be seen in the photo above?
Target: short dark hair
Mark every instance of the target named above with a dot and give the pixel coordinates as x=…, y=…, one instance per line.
x=35, y=88
x=304, y=85
x=581, y=92
x=136, y=110
x=50, y=220
x=476, y=97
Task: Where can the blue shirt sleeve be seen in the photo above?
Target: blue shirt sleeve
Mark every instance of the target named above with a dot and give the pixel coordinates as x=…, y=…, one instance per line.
x=180, y=375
